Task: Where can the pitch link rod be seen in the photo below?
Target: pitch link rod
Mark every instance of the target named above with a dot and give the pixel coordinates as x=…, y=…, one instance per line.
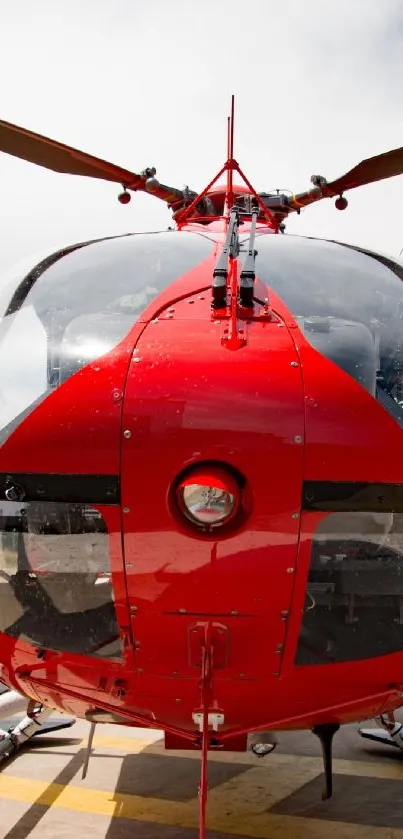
x=220, y=274
x=248, y=273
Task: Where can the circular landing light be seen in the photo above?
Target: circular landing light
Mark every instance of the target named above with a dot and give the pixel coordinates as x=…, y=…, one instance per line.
x=209, y=497
x=262, y=743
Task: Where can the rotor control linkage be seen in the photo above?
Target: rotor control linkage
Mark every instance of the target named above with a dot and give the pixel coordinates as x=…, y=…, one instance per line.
x=326, y=733
x=248, y=273
x=220, y=274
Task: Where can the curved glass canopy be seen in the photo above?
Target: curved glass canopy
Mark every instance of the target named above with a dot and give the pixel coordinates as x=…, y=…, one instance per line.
x=75, y=307
x=349, y=305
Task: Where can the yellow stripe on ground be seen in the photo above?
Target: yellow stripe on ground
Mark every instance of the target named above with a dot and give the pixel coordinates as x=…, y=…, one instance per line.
x=299, y=763
x=85, y=800
x=128, y=745
x=238, y=806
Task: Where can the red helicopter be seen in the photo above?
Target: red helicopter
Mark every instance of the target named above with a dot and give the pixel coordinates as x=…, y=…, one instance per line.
x=201, y=432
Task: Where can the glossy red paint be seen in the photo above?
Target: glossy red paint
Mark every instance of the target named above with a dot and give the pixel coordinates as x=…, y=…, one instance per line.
x=203, y=627
x=275, y=413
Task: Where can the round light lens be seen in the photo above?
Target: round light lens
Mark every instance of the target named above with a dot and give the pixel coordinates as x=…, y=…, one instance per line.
x=208, y=504
x=209, y=499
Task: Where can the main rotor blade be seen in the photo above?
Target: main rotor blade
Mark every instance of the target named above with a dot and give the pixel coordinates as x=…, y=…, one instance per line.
x=373, y=169
x=60, y=158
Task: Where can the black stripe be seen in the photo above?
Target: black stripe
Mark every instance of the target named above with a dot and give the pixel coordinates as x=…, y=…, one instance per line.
x=352, y=497
x=73, y=489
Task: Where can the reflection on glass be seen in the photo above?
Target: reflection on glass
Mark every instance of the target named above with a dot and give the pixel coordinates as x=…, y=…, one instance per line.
x=354, y=599
x=55, y=578
x=349, y=305
x=67, y=314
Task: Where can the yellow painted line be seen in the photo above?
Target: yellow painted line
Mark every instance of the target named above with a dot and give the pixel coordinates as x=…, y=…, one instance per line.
x=369, y=770
x=297, y=763
x=87, y=800
x=224, y=814
x=129, y=745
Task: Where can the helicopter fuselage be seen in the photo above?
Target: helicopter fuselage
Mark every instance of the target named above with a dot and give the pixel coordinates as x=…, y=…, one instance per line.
x=121, y=382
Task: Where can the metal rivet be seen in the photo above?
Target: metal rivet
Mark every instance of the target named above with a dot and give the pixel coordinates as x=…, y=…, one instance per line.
x=201, y=297
x=295, y=515
x=178, y=701
x=169, y=316
x=190, y=301
x=182, y=611
x=126, y=509
x=136, y=360
x=234, y=612
x=116, y=395
x=294, y=364
x=298, y=438
x=290, y=570
x=284, y=613
x=127, y=433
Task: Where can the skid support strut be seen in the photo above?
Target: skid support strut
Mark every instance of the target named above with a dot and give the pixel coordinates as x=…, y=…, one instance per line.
x=35, y=721
x=12, y=740
x=390, y=732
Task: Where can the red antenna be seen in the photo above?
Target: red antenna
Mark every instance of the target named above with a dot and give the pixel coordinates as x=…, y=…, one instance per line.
x=230, y=157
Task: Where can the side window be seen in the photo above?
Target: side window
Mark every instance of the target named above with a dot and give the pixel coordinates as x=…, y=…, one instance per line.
x=55, y=578
x=354, y=598
x=348, y=304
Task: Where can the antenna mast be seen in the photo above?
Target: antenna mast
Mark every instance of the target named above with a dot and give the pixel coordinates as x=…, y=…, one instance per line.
x=230, y=158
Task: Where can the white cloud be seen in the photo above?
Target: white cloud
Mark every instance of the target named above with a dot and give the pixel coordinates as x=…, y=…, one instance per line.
x=317, y=86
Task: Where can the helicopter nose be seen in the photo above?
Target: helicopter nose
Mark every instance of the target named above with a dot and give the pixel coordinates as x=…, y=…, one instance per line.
x=207, y=427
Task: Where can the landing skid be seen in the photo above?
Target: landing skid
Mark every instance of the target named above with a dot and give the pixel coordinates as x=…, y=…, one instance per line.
x=389, y=732
x=46, y=728
x=15, y=735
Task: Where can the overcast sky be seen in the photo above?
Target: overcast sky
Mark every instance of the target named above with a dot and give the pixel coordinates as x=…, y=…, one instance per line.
x=148, y=82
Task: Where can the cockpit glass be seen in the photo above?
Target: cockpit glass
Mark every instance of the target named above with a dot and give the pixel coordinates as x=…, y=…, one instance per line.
x=62, y=316
x=348, y=304
x=354, y=600
x=55, y=578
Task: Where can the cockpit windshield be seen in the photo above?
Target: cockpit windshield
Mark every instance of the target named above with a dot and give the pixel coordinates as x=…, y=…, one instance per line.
x=349, y=305
x=75, y=307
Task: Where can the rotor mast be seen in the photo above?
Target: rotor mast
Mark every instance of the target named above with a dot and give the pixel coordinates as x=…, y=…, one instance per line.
x=185, y=215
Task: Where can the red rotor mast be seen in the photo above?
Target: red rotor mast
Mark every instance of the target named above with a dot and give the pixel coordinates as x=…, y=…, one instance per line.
x=230, y=166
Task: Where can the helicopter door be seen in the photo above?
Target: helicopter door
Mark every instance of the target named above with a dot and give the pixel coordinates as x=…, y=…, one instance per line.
x=190, y=401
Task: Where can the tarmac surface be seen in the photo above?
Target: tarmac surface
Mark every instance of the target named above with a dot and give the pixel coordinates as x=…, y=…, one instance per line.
x=135, y=789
